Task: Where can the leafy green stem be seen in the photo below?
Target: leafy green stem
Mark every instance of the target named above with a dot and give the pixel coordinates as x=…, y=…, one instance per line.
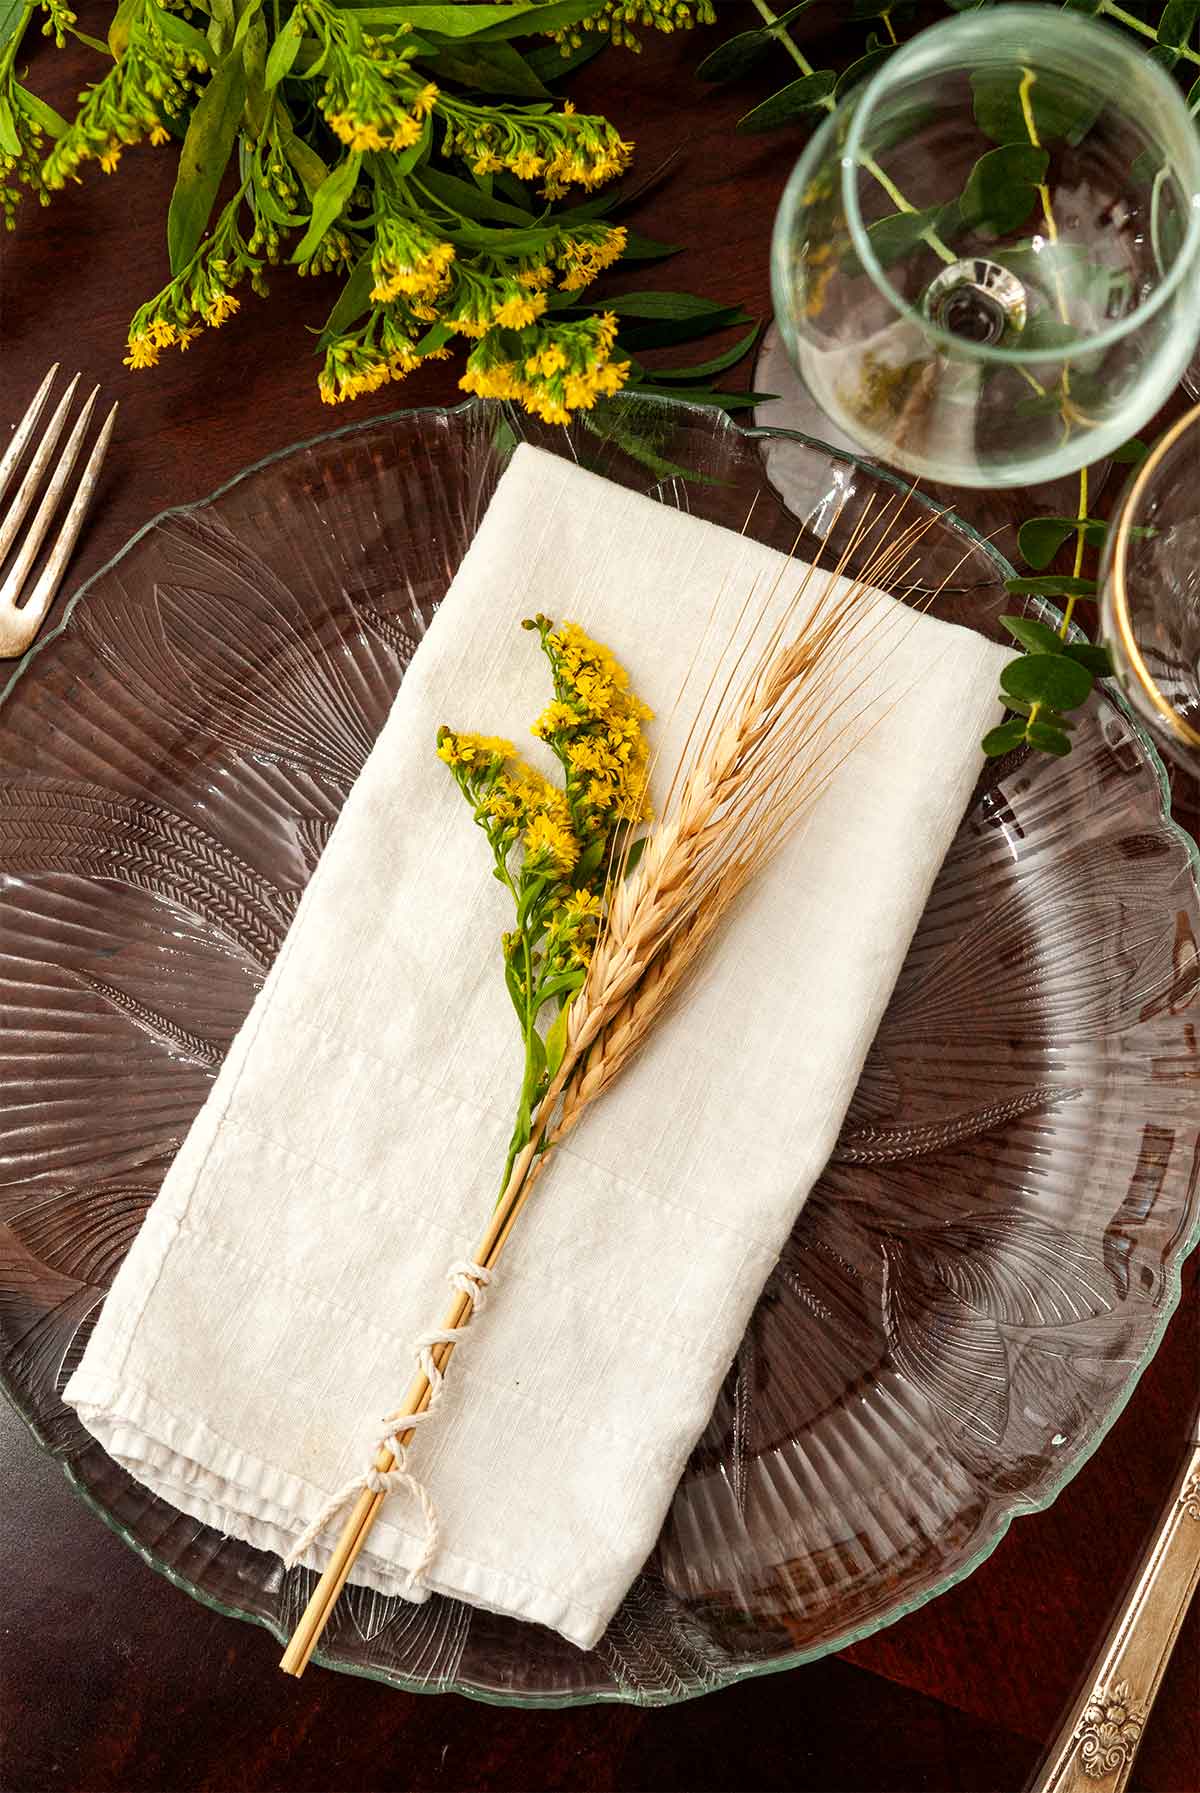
x=783, y=36
x=1139, y=25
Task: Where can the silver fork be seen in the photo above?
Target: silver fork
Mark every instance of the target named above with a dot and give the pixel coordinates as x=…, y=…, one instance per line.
x=21, y=620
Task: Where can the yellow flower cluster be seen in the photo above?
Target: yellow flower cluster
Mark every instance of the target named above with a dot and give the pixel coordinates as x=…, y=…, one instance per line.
x=565, y=369
x=152, y=81
x=563, y=149
x=409, y=259
x=475, y=753
x=200, y=296
x=378, y=350
x=569, y=838
x=574, y=925
x=595, y=727
x=587, y=253
x=391, y=127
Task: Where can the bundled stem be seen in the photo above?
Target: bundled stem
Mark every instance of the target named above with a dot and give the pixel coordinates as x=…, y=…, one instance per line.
x=775, y=736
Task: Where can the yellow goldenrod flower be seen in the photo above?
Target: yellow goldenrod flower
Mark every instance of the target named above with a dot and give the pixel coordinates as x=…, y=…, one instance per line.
x=424, y=101
x=142, y=352
x=472, y=751
x=220, y=308
x=405, y=131
x=110, y=158
x=555, y=719
x=159, y=135
x=550, y=846
x=519, y=309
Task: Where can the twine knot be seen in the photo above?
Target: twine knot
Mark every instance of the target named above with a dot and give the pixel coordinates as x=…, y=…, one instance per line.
x=467, y=1279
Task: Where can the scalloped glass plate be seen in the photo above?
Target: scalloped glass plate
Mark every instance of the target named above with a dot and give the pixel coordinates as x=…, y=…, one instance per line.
x=975, y=1285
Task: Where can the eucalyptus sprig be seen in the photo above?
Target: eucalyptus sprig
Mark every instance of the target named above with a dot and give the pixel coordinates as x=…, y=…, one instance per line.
x=416, y=150
x=1055, y=674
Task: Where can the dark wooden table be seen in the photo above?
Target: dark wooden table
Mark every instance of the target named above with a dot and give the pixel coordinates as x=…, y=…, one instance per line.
x=112, y=1680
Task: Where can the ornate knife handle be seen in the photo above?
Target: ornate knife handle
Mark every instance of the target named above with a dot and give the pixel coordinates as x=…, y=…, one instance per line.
x=1095, y=1748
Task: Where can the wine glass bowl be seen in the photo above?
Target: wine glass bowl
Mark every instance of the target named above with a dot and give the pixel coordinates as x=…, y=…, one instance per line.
x=1150, y=591
x=984, y=263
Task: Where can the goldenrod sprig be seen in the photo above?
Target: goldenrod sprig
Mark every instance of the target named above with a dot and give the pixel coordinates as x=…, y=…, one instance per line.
x=555, y=847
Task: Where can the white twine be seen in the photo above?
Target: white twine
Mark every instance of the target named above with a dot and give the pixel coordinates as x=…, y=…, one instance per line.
x=470, y=1280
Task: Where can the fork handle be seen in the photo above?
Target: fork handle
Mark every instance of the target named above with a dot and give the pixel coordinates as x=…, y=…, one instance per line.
x=1095, y=1748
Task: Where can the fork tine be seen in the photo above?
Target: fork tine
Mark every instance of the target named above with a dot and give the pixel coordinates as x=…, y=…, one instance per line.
x=10, y=591
x=40, y=598
x=41, y=460
x=24, y=430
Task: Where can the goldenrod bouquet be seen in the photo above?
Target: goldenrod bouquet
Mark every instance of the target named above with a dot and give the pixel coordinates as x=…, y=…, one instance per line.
x=412, y=149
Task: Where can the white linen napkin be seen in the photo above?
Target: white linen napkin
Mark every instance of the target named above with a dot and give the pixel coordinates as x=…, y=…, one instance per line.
x=352, y=1144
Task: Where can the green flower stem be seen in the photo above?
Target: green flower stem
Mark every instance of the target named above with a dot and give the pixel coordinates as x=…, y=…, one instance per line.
x=1127, y=18
x=1073, y=597
x=783, y=36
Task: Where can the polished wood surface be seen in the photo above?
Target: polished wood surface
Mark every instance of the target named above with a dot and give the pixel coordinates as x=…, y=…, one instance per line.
x=115, y=1682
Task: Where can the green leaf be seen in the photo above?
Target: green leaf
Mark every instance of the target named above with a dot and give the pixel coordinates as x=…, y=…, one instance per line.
x=537, y=1058
x=705, y=370
x=1176, y=22
x=735, y=57
x=738, y=55
x=352, y=301
x=556, y=1039
x=254, y=61
x=462, y=197
x=35, y=108
x=1096, y=659
x=720, y=401
x=1001, y=189
x=203, y=160
x=633, y=857
x=305, y=161
x=488, y=68
x=12, y=12
x=1051, y=585
x=858, y=71
x=284, y=52
x=663, y=334
x=185, y=35
x=492, y=23
x=663, y=305
x=639, y=248
x=588, y=862
x=1005, y=738
x=1047, y=739
x=93, y=43
x=329, y=202
x=789, y=103
x=1040, y=538
x=1033, y=636
x=118, y=31
x=1130, y=453
x=1047, y=679
x=10, y=140
x=893, y=237
x=1059, y=111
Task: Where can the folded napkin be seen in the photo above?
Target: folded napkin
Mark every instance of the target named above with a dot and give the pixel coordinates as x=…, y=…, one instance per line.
x=351, y=1147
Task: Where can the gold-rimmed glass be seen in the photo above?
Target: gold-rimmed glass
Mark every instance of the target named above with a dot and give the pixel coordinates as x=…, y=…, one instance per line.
x=1150, y=586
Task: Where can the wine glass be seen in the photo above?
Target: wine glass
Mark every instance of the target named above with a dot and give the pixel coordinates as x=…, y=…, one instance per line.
x=1150, y=591
x=984, y=264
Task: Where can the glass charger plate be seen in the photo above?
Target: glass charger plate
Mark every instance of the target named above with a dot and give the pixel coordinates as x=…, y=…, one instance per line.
x=972, y=1290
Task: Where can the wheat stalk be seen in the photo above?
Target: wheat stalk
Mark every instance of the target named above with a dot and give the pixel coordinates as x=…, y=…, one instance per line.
x=780, y=725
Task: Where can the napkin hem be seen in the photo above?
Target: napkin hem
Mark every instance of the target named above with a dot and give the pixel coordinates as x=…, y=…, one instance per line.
x=181, y=1460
